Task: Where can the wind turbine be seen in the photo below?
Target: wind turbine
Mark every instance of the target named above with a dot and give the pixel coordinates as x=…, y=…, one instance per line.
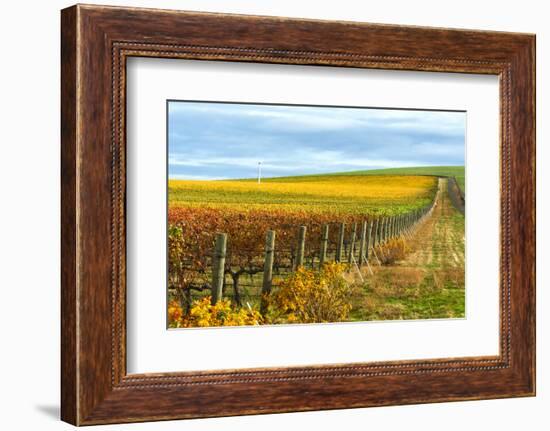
x=259, y=172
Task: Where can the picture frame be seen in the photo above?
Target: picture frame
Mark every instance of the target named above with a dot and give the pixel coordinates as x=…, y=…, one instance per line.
x=96, y=42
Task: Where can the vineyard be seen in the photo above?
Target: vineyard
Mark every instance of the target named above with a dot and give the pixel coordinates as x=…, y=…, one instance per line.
x=295, y=249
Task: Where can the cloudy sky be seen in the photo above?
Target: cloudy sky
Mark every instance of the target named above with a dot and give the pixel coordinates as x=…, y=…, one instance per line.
x=220, y=140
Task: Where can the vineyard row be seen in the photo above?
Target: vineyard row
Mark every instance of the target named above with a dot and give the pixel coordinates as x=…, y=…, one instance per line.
x=364, y=239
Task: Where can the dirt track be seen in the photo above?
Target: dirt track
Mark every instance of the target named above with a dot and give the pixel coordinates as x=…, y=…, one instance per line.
x=429, y=281
x=439, y=242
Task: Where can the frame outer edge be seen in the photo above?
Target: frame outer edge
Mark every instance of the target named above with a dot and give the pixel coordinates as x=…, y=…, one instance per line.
x=532, y=78
x=528, y=61
x=533, y=54
x=87, y=397
x=523, y=216
x=69, y=202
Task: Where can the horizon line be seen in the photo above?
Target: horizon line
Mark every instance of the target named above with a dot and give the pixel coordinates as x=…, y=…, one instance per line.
x=321, y=173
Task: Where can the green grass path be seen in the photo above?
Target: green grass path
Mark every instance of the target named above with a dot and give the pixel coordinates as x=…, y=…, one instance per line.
x=429, y=282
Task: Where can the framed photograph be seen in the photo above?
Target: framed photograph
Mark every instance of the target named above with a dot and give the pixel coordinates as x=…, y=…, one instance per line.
x=264, y=214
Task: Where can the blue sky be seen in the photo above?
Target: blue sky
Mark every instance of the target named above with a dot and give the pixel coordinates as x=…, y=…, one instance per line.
x=217, y=140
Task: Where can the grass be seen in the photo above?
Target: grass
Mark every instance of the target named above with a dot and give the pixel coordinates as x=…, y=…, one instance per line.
x=441, y=247
x=430, y=283
x=410, y=293
x=362, y=194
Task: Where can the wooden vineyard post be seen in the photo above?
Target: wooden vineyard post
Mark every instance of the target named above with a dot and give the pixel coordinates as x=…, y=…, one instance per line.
x=369, y=240
x=375, y=234
x=218, y=267
x=362, y=242
x=340, y=245
x=397, y=225
x=352, y=242
x=324, y=246
x=301, y=247
x=268, y=269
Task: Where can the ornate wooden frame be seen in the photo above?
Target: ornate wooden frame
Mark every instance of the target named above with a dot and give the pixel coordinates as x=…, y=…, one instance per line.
x=96, y=41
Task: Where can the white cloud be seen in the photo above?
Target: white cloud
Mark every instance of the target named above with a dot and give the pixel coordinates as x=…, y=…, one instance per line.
x=331, y=118
x=211, y=138
x=195, y=177
x=327, y=161
x=434, y=149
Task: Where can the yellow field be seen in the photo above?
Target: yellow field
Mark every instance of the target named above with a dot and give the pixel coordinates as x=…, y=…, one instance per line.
x=328, y=193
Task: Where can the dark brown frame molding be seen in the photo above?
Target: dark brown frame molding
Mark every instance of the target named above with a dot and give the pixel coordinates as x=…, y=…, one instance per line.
x=95, y=43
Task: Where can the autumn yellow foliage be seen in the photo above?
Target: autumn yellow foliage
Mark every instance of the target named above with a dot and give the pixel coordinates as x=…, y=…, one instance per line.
x=393, y=250
x=204, y=314
x=329, y=186
x=310, y=296
x=175, y=312
x=315, y=194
